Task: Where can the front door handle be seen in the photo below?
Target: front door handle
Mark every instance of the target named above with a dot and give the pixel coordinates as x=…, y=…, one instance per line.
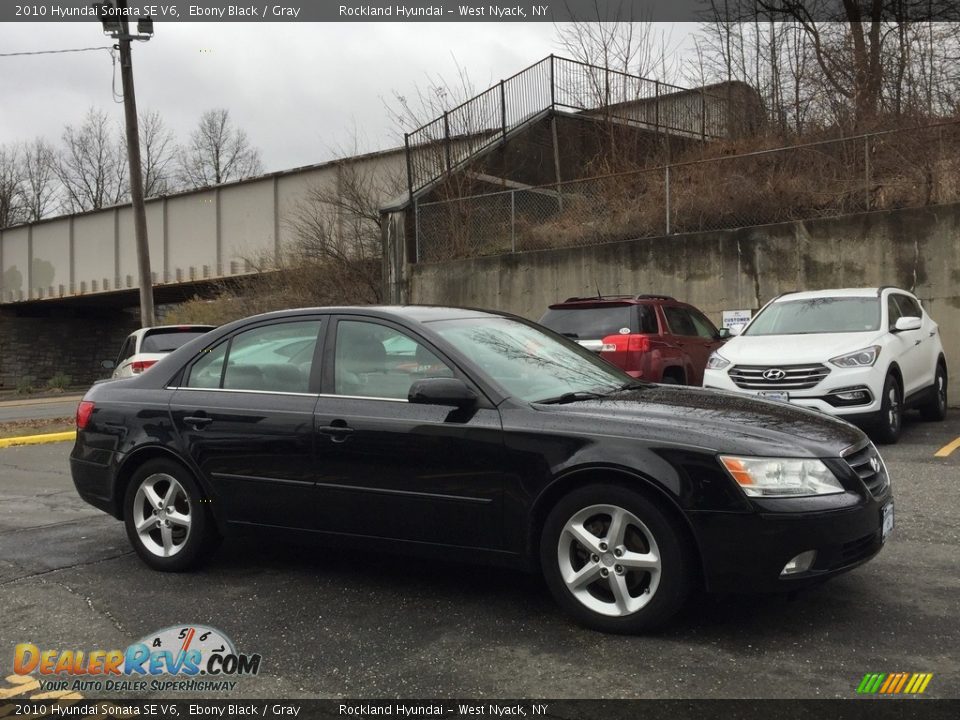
x=197, y=421
x=338, y=431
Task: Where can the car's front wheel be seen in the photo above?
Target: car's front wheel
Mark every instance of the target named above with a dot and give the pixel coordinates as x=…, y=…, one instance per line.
x=890, y=418
x=614, y=560
x=936, y=407
x=165, y=521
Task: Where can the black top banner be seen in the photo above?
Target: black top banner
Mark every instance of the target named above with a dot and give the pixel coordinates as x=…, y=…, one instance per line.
x=484, y=10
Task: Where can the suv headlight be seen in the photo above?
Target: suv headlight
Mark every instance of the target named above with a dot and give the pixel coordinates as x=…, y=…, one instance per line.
x=860, y=358
x=716, y=361
x=781, y=477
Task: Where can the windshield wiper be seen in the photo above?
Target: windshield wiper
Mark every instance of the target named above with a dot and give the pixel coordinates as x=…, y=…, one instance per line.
x=570, y=397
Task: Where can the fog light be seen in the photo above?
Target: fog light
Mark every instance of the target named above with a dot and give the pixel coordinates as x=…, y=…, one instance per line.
x=801, y=563
x=856, y=395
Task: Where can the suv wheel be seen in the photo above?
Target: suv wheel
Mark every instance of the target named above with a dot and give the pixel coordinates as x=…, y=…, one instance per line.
x=614, y=560
x=936, y=407
x=164, y=518
x=890, y=417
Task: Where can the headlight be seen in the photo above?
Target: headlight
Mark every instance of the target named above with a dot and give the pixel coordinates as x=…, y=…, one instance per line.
x=717, y=361
x=860, y=358
x=781, y=477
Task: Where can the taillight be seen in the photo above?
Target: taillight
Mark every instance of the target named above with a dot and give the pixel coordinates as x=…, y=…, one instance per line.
x=138, y=366
x=84, y=411
x=622, y=343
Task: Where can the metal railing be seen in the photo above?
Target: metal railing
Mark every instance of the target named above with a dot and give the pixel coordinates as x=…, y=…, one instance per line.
x=892, y=169
x=448, y=141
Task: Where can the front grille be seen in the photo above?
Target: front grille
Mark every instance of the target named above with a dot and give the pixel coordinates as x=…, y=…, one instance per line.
x=793, y=377
x=868, y=466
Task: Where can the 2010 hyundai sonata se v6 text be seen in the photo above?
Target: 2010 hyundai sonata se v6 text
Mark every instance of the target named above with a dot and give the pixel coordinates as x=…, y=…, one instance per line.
x=480, y=436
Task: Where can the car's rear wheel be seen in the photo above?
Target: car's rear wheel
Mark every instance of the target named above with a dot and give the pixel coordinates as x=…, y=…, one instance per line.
x=164, y=518
x=890, y=418
x=936, y=407
x=614, y=560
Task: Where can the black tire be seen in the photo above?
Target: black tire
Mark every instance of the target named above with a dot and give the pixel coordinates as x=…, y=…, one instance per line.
x=936, y=407
x=670, y=587
x=889, y=420
x=188, y=546
x=669, y=380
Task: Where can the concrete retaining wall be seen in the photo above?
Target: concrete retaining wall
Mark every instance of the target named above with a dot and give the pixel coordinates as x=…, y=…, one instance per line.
x=916, y=249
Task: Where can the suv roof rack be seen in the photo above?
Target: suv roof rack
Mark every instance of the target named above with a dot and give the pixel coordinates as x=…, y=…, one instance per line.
x=653, y=296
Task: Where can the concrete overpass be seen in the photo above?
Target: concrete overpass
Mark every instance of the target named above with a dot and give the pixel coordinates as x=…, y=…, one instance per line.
x=196, y=238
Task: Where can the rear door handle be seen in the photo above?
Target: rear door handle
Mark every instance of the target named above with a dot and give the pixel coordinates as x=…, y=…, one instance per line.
x=197, y=421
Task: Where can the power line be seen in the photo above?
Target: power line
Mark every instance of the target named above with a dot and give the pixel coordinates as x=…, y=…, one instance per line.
x=56, y=52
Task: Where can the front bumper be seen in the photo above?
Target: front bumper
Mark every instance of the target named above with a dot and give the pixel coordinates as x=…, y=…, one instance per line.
x=816, y=398
x=746, y=552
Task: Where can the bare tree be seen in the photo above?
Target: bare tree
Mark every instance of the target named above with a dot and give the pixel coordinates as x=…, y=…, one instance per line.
x=11, y=191
x=218, y=152
x=158, y=153
x=39, y=179
x=615, y=37
x=91, y=165
x=849, y=63
x=337, y=229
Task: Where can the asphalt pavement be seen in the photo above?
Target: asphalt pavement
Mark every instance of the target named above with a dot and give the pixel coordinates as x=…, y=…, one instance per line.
x=335, y=623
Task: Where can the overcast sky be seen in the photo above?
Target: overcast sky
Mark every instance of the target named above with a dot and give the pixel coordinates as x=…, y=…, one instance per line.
x=300, y=90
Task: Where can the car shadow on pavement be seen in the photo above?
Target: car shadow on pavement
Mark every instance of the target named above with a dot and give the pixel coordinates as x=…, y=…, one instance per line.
x=515, y=595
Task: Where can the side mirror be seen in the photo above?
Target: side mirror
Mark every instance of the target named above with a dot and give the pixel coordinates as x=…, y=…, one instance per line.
x=108, y=365
x=724, y=334
x=907, y=323
x=442, y=391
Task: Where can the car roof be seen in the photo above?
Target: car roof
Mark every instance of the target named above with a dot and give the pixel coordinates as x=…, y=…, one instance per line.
x=836, y=292
x=574, y=302
x=415, y=313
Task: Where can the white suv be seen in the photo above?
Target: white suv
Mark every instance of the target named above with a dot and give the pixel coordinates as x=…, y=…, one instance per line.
x=862, y=354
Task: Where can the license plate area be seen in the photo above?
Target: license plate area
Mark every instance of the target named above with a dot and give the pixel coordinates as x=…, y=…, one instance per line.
x=886, y=517
x=776, y=395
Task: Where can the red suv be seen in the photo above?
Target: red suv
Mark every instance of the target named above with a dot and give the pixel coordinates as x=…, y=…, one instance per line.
x=653, y=337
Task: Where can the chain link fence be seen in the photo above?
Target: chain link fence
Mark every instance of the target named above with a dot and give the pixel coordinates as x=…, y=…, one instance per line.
x=880, y=171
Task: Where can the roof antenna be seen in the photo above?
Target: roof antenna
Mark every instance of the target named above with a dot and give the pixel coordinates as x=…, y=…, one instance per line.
x=599, y=296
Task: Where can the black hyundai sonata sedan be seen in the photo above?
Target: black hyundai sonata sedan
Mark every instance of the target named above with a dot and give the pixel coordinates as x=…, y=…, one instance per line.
x=452, y=432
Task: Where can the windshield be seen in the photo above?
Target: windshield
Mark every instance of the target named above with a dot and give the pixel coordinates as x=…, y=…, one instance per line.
x=527, y=362
x=817, y=315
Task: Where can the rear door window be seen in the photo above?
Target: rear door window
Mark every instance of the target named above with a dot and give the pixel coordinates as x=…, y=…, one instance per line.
x=591, y=323
x=270, y=358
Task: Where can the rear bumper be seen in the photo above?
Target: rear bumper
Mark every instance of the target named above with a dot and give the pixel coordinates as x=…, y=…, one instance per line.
x=746, y=552
x=94, y=480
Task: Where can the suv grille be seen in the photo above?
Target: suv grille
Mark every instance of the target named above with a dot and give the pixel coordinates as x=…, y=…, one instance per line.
x=868, y=466
x=789, y=377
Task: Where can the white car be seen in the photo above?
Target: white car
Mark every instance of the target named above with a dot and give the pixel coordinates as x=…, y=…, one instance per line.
x=861, y=354
x=144, y=347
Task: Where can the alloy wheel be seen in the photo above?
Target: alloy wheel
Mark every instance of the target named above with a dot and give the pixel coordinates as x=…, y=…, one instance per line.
x=162, y=515
x=609, y=560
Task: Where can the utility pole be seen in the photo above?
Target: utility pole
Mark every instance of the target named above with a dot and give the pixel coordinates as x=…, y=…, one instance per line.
x=120, y=31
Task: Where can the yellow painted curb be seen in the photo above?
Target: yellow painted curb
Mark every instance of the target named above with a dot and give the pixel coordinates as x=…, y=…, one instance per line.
x=38, y=439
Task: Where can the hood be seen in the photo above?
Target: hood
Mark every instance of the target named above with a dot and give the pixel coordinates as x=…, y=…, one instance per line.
x=794, y=349
x=722, y=422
